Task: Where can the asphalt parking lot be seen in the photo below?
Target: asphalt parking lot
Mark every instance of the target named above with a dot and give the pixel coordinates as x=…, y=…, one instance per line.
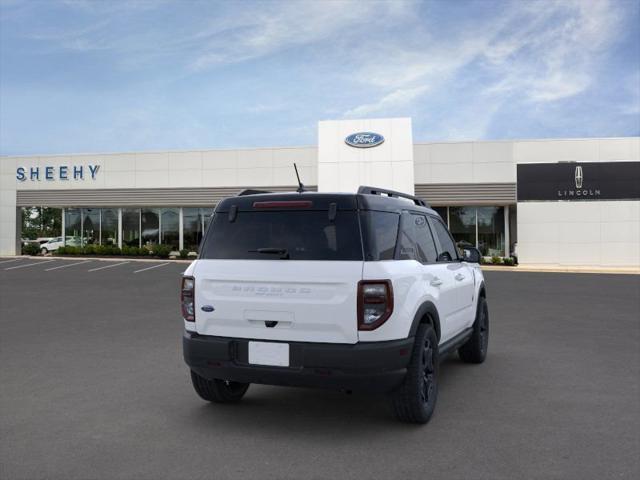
x=93, y=386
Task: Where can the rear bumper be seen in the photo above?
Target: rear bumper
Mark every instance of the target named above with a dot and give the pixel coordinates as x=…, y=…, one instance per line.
x=373, y=366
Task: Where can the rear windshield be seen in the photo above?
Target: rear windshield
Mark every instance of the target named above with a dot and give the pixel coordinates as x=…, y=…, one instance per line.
x=275, y=235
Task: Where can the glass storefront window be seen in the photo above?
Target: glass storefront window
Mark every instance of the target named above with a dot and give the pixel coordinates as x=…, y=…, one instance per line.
x=109, y=226
x=150, y=226
x=191, y=228
x=442, y=211
x=131, y=227
x=491, y=230
x=72, y=227
x=462, y=224
x=90, y=226
x=170, y=227
x=206, y=216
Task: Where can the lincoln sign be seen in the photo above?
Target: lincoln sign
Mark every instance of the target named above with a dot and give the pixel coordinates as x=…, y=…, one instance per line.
x=575, y=181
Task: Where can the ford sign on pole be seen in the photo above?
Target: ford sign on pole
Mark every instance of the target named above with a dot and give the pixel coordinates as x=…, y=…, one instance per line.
x=364, y=139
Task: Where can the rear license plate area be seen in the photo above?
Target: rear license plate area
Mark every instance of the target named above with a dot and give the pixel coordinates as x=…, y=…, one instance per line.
x=269, y=353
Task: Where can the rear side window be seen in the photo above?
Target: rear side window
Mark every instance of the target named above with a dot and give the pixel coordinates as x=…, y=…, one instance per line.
x=380, y=233
x=416, y=242
x=274, y=235
x=447, y=248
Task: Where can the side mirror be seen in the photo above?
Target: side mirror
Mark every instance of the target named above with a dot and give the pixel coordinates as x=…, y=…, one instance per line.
x=471, y=255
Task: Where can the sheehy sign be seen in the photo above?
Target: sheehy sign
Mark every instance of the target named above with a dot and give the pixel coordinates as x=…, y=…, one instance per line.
x=575, y=181
x=60, y=172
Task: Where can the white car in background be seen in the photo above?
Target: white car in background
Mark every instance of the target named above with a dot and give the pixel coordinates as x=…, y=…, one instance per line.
x=56, y=242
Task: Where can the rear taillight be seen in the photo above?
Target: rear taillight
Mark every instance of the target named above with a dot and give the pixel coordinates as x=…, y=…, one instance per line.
x=187, y=299
x=375, y=303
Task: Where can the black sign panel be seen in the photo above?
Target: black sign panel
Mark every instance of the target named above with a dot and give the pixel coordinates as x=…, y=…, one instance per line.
x=577, y=181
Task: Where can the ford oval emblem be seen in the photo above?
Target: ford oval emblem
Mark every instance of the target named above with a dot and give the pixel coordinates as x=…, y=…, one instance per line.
x=207, y=308
x=364, y=139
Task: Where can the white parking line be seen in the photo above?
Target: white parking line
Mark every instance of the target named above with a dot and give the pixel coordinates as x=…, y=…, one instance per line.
x=30, y=264
x=65, y=266
x=9, y=261
x=108, y=266
x=149, y=268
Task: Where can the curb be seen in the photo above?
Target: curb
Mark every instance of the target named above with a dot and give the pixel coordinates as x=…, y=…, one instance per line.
x=558, y=269
x=488, y=268
x=99, y=259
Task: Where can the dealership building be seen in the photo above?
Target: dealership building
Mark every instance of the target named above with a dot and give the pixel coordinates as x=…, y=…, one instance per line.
x=560, y=202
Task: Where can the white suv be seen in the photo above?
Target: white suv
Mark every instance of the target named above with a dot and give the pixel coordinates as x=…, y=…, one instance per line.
x=55, y=243
x=361, y=291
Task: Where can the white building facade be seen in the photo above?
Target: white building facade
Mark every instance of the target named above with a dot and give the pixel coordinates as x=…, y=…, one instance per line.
x=564, y=202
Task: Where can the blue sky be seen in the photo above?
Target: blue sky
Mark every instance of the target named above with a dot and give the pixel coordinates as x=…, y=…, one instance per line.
x=104, y=76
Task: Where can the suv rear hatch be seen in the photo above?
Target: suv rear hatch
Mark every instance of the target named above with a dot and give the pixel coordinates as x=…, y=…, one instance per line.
x=281, y=267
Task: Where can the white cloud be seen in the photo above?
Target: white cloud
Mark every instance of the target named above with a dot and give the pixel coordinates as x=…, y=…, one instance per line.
x=257, y=33
x=537, y=51
x=398, y=98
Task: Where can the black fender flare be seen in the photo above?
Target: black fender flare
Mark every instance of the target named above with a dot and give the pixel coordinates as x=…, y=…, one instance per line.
x=427, y=309
x=482, y=291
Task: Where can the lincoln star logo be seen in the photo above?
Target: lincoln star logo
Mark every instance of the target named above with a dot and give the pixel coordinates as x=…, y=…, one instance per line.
x=579, y=177
x=364, y=140
x=580, y=191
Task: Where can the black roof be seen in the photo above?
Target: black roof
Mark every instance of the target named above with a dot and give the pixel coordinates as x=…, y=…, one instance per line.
x=321, y=201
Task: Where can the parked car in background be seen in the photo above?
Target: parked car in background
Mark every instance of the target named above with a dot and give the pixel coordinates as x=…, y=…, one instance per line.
x=55, y=243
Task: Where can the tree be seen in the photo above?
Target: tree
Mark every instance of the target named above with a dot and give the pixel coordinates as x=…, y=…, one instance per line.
x=41, y=222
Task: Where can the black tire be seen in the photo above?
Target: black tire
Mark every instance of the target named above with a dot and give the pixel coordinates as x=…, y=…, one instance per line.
x=415, y=400
x=218, y=391
x=475, y=349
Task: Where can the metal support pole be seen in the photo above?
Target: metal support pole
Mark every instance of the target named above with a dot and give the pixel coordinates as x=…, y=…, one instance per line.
x=64, y=228
x=180, y=230
x=507, y=240
x=119, y=228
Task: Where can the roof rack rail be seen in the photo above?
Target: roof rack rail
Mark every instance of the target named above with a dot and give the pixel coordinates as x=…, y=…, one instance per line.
x=392, y=193
x=251, y=191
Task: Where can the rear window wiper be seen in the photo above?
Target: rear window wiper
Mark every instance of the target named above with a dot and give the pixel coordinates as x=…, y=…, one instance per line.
x=283, y=252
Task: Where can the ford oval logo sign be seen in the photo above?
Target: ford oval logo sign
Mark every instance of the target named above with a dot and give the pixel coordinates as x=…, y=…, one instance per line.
x=364, y=139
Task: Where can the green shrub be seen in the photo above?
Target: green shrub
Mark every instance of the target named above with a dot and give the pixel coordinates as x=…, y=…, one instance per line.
x=113, y=250
x=184, y=253
x=508, y=261
x=162, y=251
x=31, y=249
x=130, y=251
x=496, y=260
x=89, y=250
x=68, y=250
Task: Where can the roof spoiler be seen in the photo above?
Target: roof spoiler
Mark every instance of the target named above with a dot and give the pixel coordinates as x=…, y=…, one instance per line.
x=392, y=193
x=251, y=191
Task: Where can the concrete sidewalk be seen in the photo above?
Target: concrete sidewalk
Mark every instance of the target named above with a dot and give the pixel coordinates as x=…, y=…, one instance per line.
x=491, y=268
x=562, y=269
x=115, y=258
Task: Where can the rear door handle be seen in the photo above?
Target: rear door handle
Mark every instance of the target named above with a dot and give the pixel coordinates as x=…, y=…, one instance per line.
x=459, y=277
x=436, y=282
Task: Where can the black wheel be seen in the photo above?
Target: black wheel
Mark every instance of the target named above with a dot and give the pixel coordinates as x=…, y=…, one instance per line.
x=415, y=400
x=219, y=391
x=475, y=349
